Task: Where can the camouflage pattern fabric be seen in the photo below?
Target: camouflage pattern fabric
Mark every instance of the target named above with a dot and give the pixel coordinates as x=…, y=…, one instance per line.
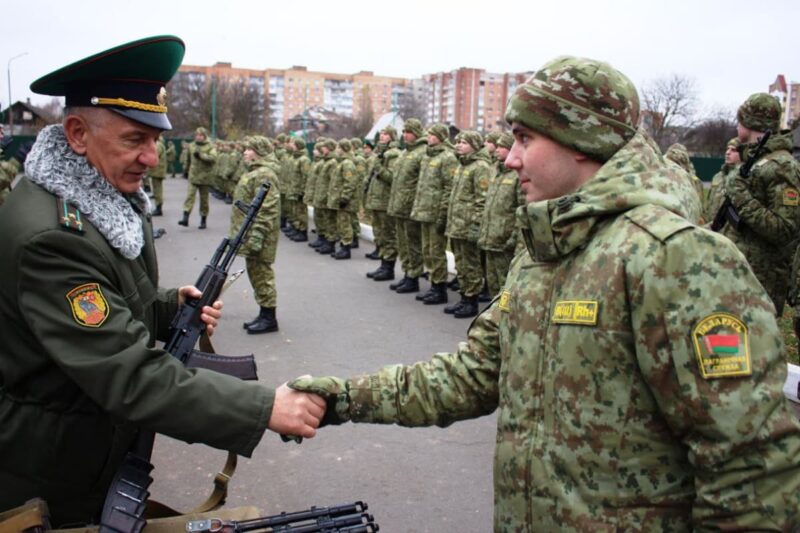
x=760, y=112
x=414, y=126
x=406, y=177
x=678, y=154
x=468, y=196
x=716, y=191
x=8, y=171
x=437, y=170
x=613, y=414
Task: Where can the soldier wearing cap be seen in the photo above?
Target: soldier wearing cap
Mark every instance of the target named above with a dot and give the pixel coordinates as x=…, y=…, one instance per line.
x=324, y=217
x=80, y=305
x=638, y=382
x=202, y=160
x=342, y=197
x=300, y=167
x=490, y=143
x=768, y=200
x=379, y=188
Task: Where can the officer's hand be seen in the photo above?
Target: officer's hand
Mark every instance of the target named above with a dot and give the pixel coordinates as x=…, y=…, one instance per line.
x=296, y=413
x=210, y=315
x=335, y=393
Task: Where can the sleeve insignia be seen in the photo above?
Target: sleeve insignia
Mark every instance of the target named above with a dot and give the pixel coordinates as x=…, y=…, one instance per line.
x=791, y=197
x=89, y=306
x=505, y=300
x=584, y=312
x=722, y=347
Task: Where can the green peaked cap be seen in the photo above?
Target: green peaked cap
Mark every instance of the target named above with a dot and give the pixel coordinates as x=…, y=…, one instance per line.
x=128, y=79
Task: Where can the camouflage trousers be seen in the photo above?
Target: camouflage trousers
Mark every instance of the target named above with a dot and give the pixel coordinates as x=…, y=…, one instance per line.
x=262, y=278
x=409, y=245
x=284, y=211
x=158, y=189
x=192, y=191
x=325, y=221
x=356, y=225
x=287, y=207
x=497, y=264
x=344, y=226
x=383, y=232
x=468, y=266
x=300, y=216
x=434, y=251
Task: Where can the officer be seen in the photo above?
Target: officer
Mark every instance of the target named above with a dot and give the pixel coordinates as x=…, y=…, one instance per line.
x=80, y=306
x=638, y=387
x=768, y=200
x=202, y=159
x=716, y=191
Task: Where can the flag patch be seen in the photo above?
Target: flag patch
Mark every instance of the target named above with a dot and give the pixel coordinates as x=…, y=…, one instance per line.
x=89, y=306
x=721, y=345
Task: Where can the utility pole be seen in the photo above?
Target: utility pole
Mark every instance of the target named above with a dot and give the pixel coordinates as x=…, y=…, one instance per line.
x=213, y=107
x=10, y=114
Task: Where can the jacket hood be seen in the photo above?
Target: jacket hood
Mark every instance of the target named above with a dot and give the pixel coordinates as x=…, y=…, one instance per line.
x=636, y=175
x=776, y=142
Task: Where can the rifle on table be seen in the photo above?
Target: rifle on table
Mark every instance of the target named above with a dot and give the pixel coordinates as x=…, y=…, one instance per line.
x=350, y=518
x=127, y=495
x=726, y=212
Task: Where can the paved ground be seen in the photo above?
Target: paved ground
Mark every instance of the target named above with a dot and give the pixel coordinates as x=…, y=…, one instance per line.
x=333, y=320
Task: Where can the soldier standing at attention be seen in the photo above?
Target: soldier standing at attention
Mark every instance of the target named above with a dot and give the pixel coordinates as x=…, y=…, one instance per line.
x=377, y=202
x=80, y=305
x=301, y=168
x=638, y=388
x=767, y=201
x=324, y=217
x=499, y=237
x=465, y=211
x=202, y=158
x=158, y=173
x=716, y=192
x=430, y=209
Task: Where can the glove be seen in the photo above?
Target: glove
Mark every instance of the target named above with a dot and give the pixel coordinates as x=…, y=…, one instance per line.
x=22, y=152
x=343, y=203
x=196, y=154
x=335, y=393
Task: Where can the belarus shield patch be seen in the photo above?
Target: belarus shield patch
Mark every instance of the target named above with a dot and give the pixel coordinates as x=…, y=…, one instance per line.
x=89, y=306
x=722, y=347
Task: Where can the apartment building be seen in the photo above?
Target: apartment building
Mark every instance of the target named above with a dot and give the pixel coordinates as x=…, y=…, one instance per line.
x=789, y=96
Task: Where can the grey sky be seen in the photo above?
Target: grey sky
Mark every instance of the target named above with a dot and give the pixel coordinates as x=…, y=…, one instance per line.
x=708, y=40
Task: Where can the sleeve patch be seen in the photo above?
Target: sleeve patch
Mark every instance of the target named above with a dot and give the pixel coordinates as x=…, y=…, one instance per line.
x=89, y=306
x=722, y=347
x=791, y=197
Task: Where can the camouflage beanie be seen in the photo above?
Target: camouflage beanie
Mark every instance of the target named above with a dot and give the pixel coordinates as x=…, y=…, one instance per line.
x=760, y=112
x=201, y=131
x=330, y=144
x=281, y=138
x=259, y=144
x=492, y=137
x=345, y=145
x=414, y=126
x=733, y=143
x=583, y=104
x=472, y=138
x=440, y=131
x=677, y=153
x=506, y=140
x=356, y=142
x=391, y=132
x=299, y=143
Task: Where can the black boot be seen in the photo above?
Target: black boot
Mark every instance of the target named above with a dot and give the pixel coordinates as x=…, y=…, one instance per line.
x=439, y=295
x=301, y=236
x=395, y=286
x=202, y=222
x=317, y=243
x=385, y=272
x=354, y=244
x=450, y=309
x=265, y=323
x=343, y=253
x=249, y=323
x=421, y=296
x=453, y=285
x=327, y=248
x=185, y=220
x=374, y=254
x=158, y=233
x=484, y=296
x=228, y=199
x=469, y=309
x=411, y=285
x=291, y=232
x=157, y=212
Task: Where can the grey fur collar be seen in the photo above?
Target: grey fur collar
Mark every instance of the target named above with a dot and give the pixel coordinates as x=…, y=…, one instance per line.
x=53, y=166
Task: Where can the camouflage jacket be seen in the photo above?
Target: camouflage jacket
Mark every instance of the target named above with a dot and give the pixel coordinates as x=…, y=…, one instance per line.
x=300, y=166
x=324, y=174
x=343, y=185
x=380, y=186
x=406, y=175
x=468, y=195
x=202, y=163
x=504, y=196
x=311, y=181
x=262, y=238
x=767, y=202
x=618, y=411
x=438, y=168
x=8, y=171
x=160, y=170
x=716, y=191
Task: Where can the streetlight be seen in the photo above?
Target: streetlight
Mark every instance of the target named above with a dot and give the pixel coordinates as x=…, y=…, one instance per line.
x=10, y=114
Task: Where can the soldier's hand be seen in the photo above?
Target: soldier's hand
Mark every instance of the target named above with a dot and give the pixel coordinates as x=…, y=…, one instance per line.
x=335, y=393
x=296, y=413
x=210, y=315
x=343, y=203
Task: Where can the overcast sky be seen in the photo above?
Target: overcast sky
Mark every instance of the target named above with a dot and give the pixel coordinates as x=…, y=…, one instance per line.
x=731, y=48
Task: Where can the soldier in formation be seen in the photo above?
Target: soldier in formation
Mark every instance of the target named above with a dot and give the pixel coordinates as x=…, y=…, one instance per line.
x=201, y=159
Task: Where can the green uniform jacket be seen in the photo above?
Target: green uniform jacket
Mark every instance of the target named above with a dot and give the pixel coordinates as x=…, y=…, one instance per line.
x=72, y=395
x=324, y=175
x=768, y=202
x=300, y=169
x=591, y=355
x=437, y=170
x=343, y=185
x=202, y=163
x=498, y=233
x=716, y=191
x=404, y=183
x=311, y=182
x=467, y=198
x=380, y=186
x=160, y=170
x=262, y=238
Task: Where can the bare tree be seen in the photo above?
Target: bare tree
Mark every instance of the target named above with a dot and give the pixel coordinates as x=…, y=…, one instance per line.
x=711, y=135
x=669, y=104
x=53, y=110
x=363, y=123
x=412, y=107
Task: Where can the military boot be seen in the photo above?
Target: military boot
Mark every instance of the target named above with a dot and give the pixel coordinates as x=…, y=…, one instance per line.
x=202, y=222
x=327, y=248
x=484, y=296
x=469, y=309
x=421, y=296
x=301, y=236
x=374, y=254
x=439, y=295
x=385, y=272
x=185, y=220
x=454, y=285
x=265, y=323
x=343, y=253
x=228, y=199
x=317, y=243
x=157, y=212
x=451, y=309
x=411, y=285
x=291, y=232
x=354, y=244
x=249, y=323
x=395, y=286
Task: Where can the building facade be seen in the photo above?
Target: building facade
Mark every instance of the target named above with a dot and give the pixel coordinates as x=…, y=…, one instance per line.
x=789, y=96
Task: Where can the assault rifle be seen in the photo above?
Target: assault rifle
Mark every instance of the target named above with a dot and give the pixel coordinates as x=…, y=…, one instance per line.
x=350, y=518
x=127, y=496
x=727, y=213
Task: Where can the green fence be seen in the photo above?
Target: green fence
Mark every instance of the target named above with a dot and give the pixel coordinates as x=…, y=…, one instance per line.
x=706, y=167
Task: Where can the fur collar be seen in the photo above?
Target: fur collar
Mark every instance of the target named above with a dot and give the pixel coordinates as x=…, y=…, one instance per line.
x=53, y=166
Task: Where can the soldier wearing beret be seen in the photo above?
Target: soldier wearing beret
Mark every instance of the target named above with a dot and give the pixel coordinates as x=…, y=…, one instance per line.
x=638, y=382
x=80, y=305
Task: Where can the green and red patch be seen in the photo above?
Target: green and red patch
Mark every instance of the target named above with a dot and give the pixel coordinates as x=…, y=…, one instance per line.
x=721, y=345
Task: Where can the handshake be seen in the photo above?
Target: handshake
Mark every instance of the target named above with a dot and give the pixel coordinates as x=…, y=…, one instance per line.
x=305, y=404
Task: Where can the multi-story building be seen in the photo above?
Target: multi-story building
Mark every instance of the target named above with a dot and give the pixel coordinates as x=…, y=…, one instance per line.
x=789, y=96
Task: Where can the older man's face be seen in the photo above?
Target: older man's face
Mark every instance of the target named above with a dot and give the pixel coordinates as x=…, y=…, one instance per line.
x=122, y=150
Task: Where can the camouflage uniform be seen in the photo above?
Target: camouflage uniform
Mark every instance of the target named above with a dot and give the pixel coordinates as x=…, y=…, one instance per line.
x=464, y=214
x=158, y=173
x=170, y=157
x=202, y=158
x=377, y=197
x=678, y=154
x=358, y=195
x=716, y=191
x=342, y=193
x=8, y=171
x=184, y=158
x=301, y=166
x=498, y=234
x=767, y=202
x=432, y=199
x=401, y=200
x=325, y=218
x=617, y=411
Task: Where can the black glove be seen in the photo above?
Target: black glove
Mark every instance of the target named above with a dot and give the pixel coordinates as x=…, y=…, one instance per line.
x=22, y=152
x=5, y=142
x=300, y=198
x=196, y=154
x=343, y=203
